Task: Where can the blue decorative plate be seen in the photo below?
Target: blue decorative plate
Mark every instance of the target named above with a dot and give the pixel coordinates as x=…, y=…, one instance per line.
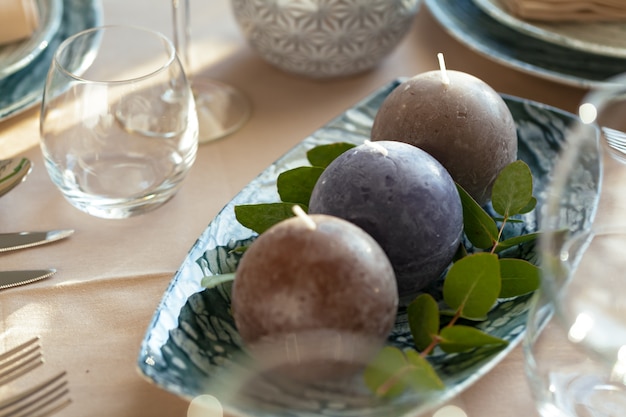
x=17, y=55
x=474, y=28
x=192, y=346
x=602, y=38
x=23, y=89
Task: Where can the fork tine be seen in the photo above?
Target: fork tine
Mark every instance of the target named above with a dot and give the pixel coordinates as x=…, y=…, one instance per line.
x=20, y=360
x=41, y=400
x=42, y=404
x=55, y=408
x=16, y=349
x=616, y=139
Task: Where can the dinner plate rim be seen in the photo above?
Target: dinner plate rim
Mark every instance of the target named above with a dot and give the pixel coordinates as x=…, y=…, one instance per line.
x=144, y=359
x=443, y=16
x=32, y=90
x=36, y=43
x=553, y=36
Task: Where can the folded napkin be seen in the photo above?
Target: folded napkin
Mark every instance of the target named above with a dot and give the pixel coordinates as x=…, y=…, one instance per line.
x=568, y=10
x=18, y=19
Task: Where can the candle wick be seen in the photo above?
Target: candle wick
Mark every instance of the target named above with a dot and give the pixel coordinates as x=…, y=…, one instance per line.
x=442, y=65
x=380, y=148
x=308, y=221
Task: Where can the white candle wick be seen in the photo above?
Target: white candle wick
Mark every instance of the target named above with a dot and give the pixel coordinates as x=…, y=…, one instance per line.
x=442, y=65
x=380, y=148
x=308, y=221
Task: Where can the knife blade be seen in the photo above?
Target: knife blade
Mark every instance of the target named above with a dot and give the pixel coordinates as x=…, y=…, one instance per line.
x=9, y=279
x=21, y=240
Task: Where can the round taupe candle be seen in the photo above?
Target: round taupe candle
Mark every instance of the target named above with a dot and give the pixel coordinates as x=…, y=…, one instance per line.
x=458, y=119
x=314, y=298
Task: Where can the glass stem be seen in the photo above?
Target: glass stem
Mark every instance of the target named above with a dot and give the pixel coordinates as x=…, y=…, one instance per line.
x=182, y=31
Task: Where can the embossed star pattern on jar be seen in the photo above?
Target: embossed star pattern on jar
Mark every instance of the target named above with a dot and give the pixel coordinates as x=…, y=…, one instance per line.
x=324, y=38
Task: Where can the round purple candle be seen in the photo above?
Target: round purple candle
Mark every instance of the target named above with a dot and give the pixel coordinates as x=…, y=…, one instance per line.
x=405, y=199
x=458, y=119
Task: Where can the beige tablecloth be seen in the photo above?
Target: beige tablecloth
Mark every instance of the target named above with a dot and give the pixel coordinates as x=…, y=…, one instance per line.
x=92, y=315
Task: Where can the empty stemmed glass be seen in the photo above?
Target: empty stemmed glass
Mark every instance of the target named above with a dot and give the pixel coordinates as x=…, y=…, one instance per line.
x=222, y=109
x=575, y=344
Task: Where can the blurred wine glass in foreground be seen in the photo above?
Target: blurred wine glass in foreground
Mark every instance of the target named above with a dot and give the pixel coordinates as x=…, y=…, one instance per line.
x=221, y=108
x=575, y=344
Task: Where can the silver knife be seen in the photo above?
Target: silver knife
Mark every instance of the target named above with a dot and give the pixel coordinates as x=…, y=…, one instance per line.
x=9, y=279
x=21, y=240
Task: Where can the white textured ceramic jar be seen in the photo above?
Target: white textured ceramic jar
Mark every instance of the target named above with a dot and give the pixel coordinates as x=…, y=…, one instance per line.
x=324, y=38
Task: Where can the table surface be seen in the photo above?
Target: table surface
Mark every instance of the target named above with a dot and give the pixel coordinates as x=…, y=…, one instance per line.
x=92, y=315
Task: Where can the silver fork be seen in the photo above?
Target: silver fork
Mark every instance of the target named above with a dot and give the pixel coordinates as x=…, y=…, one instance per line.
x=42, y=400
x=616, y=139
x=20, y=360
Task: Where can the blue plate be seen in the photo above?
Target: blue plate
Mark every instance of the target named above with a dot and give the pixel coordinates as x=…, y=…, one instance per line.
x=24, y=88
x=468, y=24
x=192, y=347
x=16, y=55
x=602, y=38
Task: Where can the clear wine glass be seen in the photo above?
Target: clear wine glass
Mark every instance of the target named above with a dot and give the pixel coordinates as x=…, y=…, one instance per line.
x=222, y=109
x=575, y=344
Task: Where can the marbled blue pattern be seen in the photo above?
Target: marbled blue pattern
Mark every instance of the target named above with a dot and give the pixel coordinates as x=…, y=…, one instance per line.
x=23, y=89
x=192, y=346
x=467, y=23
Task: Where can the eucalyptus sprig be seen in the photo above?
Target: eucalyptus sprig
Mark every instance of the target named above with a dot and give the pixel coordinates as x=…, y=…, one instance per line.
x=472, y=286
x=294, y=187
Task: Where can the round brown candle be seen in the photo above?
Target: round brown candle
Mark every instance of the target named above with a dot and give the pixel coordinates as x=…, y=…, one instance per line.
x=458, y=119
x=314, y=297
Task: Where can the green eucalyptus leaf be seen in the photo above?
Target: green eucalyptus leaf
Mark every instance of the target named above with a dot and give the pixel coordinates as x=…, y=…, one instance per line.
x=239, y=249
x=509, y=220
x=384, y=375
x=478, y=226
x=323, y=155
x=260, y=217
x=461, y=338
x=211, y=281
x=519, y=277
x=460, y=253
x=472, y=284
x=452, y=313
x=517, y=240
x=423, y=317
x=296, y=185
x=513, y=189
x=421, y=375
x=529, y=207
